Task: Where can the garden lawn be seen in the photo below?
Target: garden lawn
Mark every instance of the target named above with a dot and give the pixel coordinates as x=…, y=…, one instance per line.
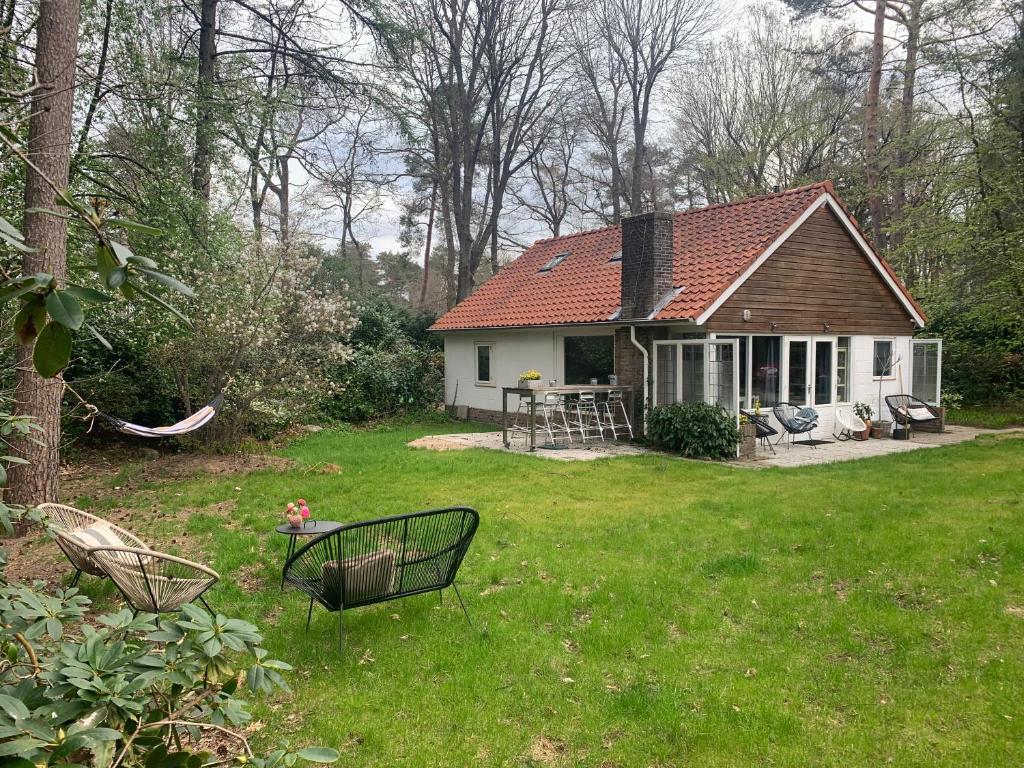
x=643, y=611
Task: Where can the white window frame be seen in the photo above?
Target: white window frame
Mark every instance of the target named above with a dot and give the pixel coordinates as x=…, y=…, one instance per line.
x=892, y=353
x=938, y=371
x=849, y=369
x=476, y=363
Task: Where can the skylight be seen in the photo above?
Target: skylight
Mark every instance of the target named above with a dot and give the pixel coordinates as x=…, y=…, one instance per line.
x=617, y=256
x=553, y=262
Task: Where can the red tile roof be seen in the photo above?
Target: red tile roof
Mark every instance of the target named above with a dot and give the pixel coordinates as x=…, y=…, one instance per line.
x=713, y=247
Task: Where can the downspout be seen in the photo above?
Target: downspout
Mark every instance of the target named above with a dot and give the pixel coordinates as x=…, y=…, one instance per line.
x=643, y=351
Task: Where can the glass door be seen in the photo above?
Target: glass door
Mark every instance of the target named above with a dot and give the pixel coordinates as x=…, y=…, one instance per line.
x=926, y=370
x=797, y=387
x=824, y=381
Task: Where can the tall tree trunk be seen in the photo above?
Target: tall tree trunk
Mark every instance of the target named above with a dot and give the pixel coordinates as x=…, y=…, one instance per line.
x=49, y=149
x=203, y=158
x=97, y=88
x=426, y=247
x=872, y=172
x=451, y=284
x=906, y=124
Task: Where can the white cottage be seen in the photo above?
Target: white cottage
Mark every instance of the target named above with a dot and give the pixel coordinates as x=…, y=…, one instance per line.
x=778, y=298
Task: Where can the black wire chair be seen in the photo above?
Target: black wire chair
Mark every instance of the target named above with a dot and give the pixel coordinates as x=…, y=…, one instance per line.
x=909, y=412
x=763, y=430
x=796, y=421
x=374, y=561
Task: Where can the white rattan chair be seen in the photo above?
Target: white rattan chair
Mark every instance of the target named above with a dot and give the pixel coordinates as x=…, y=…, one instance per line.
x=155, y=582
x=850, y=425
x=77, y=532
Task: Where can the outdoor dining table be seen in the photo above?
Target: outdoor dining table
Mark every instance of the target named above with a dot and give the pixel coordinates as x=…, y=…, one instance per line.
x=533, y=393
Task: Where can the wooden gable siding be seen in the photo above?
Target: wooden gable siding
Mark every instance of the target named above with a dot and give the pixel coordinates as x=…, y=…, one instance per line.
x=816, y=277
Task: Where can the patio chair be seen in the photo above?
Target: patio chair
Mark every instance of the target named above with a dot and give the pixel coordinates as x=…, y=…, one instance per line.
x=909, y=412
x=77, y=532
x=374, y=561
x=763, y=429
x=588, y=421
x=796, y=421
x=850, y=425
x=610, y=410
x=155, y=582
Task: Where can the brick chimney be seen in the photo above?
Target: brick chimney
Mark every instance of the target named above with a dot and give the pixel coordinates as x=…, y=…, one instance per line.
x=646, y=262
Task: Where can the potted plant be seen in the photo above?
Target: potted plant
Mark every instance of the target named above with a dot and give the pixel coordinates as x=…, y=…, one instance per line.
x=863, y=411
x=529, y=379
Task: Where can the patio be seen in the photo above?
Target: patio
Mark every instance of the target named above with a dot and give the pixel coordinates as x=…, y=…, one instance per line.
x=797, y=456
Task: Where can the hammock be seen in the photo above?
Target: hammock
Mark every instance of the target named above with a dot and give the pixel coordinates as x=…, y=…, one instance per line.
x=197, y=420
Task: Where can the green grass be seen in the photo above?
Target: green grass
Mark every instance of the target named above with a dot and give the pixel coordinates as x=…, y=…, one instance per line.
x=990, y=417
x=644, y=611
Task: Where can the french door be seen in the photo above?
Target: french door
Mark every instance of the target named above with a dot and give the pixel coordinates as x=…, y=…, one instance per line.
x=809, y=370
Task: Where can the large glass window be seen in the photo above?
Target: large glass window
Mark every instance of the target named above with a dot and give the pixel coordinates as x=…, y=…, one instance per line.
x=589, y=357
x=665, y=394
x=744, y=377
x=766, y=353
x=882, y=357
x=926, y=359
x=483, y=364
x=843, y=370
x=822, y=372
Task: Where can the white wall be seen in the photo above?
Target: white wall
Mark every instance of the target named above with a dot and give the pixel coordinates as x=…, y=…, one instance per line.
x=865, y=385
x=512, y=353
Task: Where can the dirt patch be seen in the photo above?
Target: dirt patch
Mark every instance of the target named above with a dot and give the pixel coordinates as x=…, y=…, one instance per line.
x=1015, y=610
x=435, y=444
x=34, y=557
x=95, y=474
x=184, y=465
x=546, y=750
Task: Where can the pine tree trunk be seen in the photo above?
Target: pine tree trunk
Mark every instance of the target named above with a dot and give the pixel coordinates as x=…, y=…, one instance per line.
x=426, y=247
x=49, y=149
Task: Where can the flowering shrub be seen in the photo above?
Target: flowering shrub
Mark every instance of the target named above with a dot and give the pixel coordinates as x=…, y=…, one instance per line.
x=530, y=375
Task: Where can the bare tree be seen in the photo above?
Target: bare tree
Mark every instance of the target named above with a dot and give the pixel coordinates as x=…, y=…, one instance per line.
x=487, y=73
x=645, y=38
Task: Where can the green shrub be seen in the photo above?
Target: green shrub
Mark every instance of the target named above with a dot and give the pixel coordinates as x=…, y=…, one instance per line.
x=127, y=690
x=694, y=429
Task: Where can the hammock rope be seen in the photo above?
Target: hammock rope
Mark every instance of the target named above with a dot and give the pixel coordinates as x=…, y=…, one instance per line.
x=196, y=421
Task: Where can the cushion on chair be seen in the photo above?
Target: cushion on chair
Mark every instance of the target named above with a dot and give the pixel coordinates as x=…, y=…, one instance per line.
x=102, y=535
x=366, y=576
x=920, y=413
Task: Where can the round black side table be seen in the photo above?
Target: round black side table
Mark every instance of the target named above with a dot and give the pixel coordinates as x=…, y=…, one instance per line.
x=315, y=528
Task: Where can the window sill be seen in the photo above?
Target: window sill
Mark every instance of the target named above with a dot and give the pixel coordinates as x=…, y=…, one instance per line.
x=485, y=384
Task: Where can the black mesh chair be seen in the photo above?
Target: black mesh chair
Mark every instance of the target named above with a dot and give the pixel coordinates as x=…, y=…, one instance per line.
x=796, y=421
x=379, y=560
x=909, y=412
x=763, y=430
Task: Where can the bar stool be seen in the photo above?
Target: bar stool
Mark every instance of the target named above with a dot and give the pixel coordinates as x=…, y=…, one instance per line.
x=520, y=425
x=611, y=408
x=555, y=419
x=588, y=417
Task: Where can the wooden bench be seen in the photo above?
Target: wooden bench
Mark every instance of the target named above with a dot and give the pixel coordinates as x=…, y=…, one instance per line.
x=374, y=561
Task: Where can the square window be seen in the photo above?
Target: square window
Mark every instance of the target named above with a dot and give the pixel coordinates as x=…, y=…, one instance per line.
x=882, y=359
x=483, y=364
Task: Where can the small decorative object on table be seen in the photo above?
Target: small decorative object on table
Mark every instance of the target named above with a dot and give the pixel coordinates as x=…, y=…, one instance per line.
x=297, y=514
x=613, y=380
x=529, y=379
